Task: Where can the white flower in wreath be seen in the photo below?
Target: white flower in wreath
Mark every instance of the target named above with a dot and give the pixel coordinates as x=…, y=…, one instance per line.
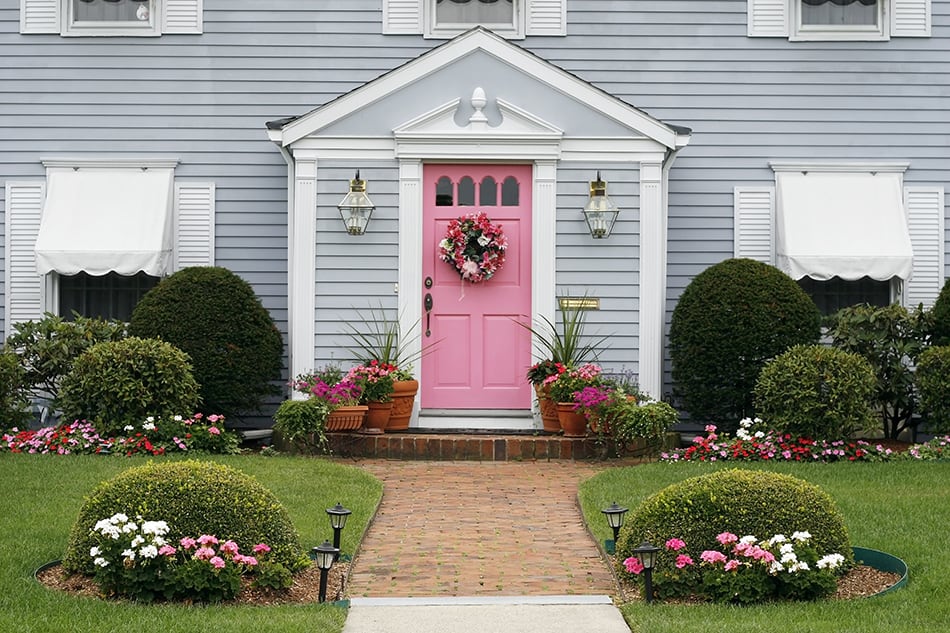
x=446, y=245
x=469, y=268
x=484, y=240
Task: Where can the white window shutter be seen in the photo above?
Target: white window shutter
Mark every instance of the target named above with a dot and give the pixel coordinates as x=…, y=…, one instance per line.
x=402, y=17
x=182, y=16
x=24, y=286
x=768, y=18
x=925, y=209
x=194, y=224
x=753, y=208
x=910, y=18
x=39, y=16
x=547, y=17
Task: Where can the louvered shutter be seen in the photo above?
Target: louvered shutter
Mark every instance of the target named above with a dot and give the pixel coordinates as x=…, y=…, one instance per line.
x=547, y=17
x=768, y=18
x=925, y=209
x=753, y=208
x=402, y=17
x=194, y=224
x=39, y=16
x=910, y=18
x=23, y=286
x=182, y=16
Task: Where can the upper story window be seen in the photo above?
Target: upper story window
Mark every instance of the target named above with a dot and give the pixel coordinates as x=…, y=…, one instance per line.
x=111, y=17
x=454, y=16
x=513, y=19
x=830, y=20
x=117, y=18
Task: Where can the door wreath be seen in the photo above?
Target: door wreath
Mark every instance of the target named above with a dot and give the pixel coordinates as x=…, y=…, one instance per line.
x=475, y=246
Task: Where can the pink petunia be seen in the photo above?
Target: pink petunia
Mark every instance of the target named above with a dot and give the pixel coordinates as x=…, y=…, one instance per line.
x=683, y=561
x=217, y=562
x=675, y=544
x=633, y=565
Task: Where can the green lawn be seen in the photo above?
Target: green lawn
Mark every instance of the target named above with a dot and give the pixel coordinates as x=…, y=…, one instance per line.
x=41, y=499
x=902, y=508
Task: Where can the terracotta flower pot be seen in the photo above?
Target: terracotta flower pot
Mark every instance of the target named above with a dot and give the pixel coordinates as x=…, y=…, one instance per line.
x=377, y=417
x=548, y=407
x=345, y=418
x=403, y=397
x=573, y=423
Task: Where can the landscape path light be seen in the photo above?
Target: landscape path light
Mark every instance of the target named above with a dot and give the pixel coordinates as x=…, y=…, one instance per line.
x=323, y=556
x=646, y=554
x=615, y=515
x=338, y=516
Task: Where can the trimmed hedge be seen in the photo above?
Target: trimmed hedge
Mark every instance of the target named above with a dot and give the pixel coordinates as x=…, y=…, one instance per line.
x=214, y=316
x=816, y=391
x=194, y=498
x=933, y=385
x=729, y=321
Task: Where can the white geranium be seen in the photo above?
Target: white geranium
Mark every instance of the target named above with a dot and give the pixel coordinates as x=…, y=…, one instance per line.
x=100, y=562
x=158, y=528
x=149, y=551
x=94, y=551
x=128, y=554
x=831, y=561
x=801, y=537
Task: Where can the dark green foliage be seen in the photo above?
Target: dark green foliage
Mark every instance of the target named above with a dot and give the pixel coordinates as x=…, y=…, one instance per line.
x=123, y=382
x=14, y=396
x=194, y=498
x=891, y=339
x=816, y=391
x=214, y=316
x=47, y=348
x=729, y=321
x=933, y=385
x=744, y=502
x=302, y=422
x=940, y=317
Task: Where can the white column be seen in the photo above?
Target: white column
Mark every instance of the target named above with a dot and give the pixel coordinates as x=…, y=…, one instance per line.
x=410, y=263
x=302, y=230
x=544, y=241
x=652, y=277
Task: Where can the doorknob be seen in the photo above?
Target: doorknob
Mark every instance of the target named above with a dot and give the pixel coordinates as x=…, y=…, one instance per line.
x=428, y=306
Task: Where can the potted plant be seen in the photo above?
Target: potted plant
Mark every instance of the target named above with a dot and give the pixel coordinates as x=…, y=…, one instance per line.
x=541, y=375
x=302, y=423
x=376, y=381
x=566, y=388
x=341, y=396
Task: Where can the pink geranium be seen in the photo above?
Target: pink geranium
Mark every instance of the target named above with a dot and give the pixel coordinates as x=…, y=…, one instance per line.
x=230, y=548
x=261, y=548
x=675, y=544
x=727, y=537
x=683, y=561
x=167, y=550
x=207, y=539
x=217, y=562
x=712, y=557
x=204, y=553
x=633, y=565
x=187, y=542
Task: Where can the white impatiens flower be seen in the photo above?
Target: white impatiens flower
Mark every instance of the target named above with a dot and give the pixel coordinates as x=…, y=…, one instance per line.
x=801, y=536
x=745, y=422
x=101, y=562
x=759, y=434
x=148, y=426
x=744, y=435
x=128, y=427
x=149, y=551
x=150, y=418
x=177, y=418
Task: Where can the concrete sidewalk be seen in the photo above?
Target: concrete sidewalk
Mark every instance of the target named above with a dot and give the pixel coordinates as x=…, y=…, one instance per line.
x=527, y=614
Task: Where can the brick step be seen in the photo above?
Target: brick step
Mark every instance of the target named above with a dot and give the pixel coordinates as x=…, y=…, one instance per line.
x=462, y=446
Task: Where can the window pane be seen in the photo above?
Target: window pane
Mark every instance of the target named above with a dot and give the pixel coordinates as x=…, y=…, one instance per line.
x=509, y=192
x=110, y=296
x=836, y=293
x=488, y=196
x=111, y=10
x=474, y=12
x=466, y=192
x=443, y=192
x=839, y=12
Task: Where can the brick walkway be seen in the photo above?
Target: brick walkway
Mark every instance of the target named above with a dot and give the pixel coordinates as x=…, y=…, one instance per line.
x=479, y=529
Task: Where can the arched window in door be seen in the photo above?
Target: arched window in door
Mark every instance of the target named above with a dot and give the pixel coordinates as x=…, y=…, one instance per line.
x=509, y=192
x=443, y=192
x=466, y=192
x=488, y=192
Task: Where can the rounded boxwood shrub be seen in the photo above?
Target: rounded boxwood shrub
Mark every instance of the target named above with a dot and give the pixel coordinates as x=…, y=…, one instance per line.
x=743, y=502
x=119, y=383
x=729, y=321
x=194, y=498
x=933, y=385
x=214, y=316
x=816, y=391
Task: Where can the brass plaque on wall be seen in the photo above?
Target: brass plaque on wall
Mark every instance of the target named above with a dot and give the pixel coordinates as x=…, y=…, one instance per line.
x=577, y=303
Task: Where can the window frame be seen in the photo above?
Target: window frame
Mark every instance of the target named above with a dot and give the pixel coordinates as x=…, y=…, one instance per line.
x=838, y=32
x=515, y=30
x=85, y=28
x=111, y=284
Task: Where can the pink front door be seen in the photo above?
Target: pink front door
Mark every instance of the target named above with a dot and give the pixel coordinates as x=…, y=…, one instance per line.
x=480, y=354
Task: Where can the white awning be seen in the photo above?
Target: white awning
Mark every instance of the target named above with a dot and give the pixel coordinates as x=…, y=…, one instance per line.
x=847, y=225
x=97, y=221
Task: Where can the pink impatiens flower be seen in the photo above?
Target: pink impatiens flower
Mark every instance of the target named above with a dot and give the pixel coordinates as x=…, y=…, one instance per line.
x=633, y=565
x=683, y=561
x=675, y=544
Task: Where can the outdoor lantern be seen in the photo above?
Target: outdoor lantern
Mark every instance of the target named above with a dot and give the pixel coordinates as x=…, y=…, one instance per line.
x=615, y=515
x=356, y=207
x=646, y=554
x=324, y=555
x=338, y=515
x=600, y=212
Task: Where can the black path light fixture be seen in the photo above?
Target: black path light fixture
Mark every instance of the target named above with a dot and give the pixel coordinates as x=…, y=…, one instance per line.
x=600, y=212
x=338, y=516
x=356, y=207
x=324, y=555
x=646, y=554
x=615, y=515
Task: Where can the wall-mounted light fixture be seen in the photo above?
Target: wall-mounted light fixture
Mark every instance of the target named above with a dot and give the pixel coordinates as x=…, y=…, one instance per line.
x=600, y=212
x=356, y=207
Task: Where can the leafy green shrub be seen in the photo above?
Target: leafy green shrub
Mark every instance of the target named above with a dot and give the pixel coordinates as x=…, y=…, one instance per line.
x=47, y=348
x=816, y=391
x=729, y=321
x=632, y=421
x=194, y=498
x=213, y=315
x=743, y=502
x=933, y=384
x=891, y=339
x=121, y=383
x=14, y=395
x=301, y=422
x=939, y=317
